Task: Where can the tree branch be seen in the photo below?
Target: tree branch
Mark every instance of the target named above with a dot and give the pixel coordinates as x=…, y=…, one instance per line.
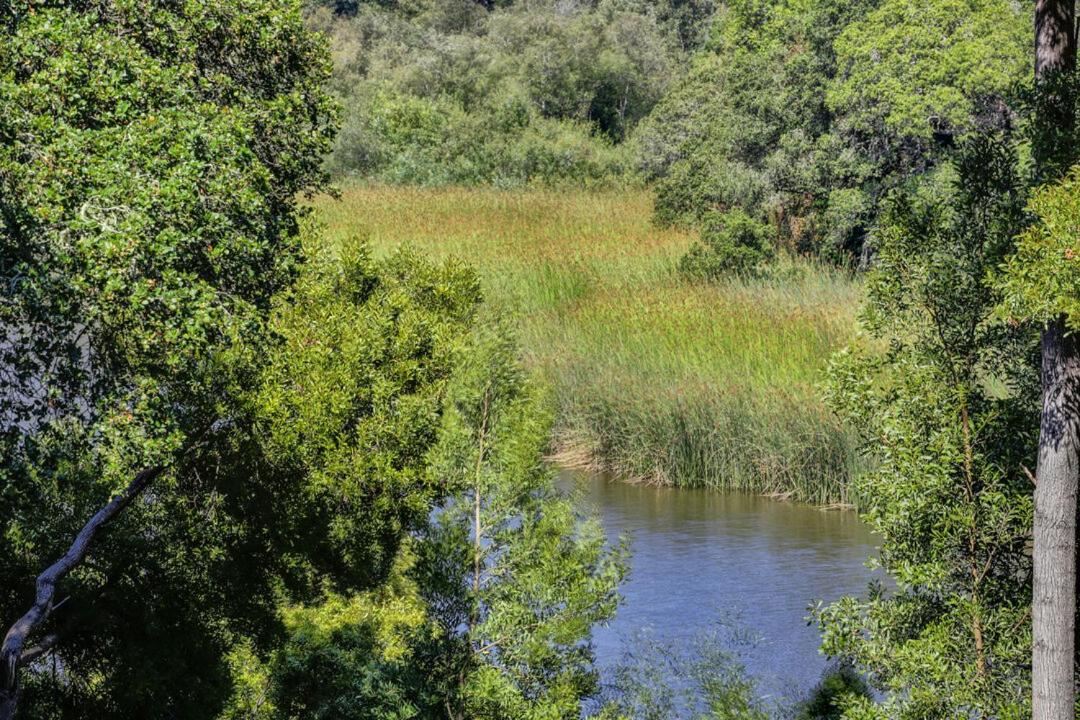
x=11, y=653
x=43, y=647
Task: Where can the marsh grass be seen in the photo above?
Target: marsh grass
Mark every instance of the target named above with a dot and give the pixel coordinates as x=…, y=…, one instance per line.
x=655, y=378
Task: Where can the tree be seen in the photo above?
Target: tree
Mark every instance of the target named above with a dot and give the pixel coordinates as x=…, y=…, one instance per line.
x=946, y=401
x=912, y=75
x=807, y=114
x=149, y=166
x=161, y=404
x=1041, y=285
x=748, y=125
x=349, y=657
x=1054, y=593
x=514, y=577
x=488, y=610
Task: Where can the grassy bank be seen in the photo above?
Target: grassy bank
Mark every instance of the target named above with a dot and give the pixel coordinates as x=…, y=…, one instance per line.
x=655, y=378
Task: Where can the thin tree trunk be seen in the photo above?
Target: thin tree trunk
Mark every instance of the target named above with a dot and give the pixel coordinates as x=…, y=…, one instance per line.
x=1053, y=609
x=478, y=543
x=12, y=654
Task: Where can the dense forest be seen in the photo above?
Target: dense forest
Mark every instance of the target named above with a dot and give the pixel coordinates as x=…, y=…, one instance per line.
x=314, y=315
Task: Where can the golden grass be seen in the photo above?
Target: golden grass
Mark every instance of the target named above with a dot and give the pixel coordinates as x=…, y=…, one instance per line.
x=655, y=377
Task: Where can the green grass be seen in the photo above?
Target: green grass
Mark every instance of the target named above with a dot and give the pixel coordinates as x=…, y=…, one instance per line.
x=656, y=379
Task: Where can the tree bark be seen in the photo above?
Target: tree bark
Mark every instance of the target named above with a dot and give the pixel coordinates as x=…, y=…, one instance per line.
x=1054, y=602
x=1055, y=37
x=1053, y=609
x=12, y=654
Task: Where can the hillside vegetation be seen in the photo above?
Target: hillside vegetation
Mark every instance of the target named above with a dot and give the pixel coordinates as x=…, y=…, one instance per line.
x=800, y=115
x=655, y=377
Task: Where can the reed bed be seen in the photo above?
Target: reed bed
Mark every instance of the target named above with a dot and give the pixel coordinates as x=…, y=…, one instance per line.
x=655, y=378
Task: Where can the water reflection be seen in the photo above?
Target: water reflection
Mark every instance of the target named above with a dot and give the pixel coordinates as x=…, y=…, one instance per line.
x=700, y=557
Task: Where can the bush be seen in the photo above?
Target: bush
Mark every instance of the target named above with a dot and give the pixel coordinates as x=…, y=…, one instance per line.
x=704, y=184
x=845, y=222
x=439, y=92
x=398, y=138
x=732, y=243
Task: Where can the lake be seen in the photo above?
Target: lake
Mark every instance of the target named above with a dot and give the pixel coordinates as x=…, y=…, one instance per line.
x=704, y=559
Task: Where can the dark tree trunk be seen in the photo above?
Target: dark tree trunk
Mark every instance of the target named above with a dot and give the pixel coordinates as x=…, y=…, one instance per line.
x=9, y=702
x=1055, y=37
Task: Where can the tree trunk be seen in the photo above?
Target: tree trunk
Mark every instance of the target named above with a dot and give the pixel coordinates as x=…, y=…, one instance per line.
x=1055, y=37
x=1054, y=600
x=1053, y=610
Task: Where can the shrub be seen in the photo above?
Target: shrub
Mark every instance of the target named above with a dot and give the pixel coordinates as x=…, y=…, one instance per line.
x=845, y=222
x=448, y=92
x=399, y=138
x=732, y=243
x=707, y=183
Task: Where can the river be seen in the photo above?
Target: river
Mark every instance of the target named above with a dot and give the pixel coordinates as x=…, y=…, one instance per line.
x=704, y=559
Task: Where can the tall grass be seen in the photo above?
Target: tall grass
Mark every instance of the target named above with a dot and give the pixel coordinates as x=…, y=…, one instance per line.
x=655, y=378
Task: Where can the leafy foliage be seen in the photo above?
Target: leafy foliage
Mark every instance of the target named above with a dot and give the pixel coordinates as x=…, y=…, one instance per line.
x=1040, y=281
x=512, y=573
x=806, y=114
x=351, y=399
x=150, y=163
x=347, y=657
x=947, y=402
x=453, y=91
x=909, y=72
x=164, y=303
x=731, y=243
x=753, y=108
x=488, y=609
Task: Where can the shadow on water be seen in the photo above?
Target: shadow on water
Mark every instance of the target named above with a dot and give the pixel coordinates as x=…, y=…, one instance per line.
x=701, y=557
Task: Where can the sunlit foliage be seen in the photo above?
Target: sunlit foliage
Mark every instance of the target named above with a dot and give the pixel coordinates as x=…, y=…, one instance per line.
x=948, y=406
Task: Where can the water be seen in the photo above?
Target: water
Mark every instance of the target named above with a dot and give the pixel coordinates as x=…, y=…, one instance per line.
x=702, y=559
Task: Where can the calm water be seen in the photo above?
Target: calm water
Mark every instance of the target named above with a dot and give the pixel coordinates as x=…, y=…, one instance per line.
x=702, y=559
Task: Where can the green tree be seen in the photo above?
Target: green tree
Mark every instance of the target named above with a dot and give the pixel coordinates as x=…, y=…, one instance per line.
x=947, y=403
x=748, y=126
x=358, y=656
x=912, y=73
x=806, y=114
x=212, y=453
x=1054, y=606
x=150, y=161
x=1041, y=285
x=514, y=576
x=1039, y=282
